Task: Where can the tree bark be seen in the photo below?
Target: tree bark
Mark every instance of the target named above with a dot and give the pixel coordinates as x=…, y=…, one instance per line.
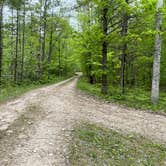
x=17, y=42
x=23, y=44
x=157, y=56
x=12, y=42
x=44, y=31
x=1, y=39
x=51, y=41
x=124, y=50
x=104, y=87
x=59, y=58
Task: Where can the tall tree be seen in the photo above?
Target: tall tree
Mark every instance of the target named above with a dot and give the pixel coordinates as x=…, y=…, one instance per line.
x=157, y=55
x=1, y=37
x=51, y=38
x=124, y=32
x=23, y=41
x=17, y=49
x=44, y=29
x=104, y=87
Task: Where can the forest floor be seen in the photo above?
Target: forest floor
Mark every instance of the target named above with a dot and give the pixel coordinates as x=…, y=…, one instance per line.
x=35, y=129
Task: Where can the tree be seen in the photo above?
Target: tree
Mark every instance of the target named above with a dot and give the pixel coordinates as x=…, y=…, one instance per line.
x=157, y=55
x=1, y=37
x=125, y=20
x=104, y=85
x=23, y=41
x=44, y=29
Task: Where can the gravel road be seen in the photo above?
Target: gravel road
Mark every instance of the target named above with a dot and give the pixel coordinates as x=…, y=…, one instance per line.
x=35, y=128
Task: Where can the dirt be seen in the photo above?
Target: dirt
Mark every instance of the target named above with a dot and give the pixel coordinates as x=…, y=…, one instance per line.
x=35, y=129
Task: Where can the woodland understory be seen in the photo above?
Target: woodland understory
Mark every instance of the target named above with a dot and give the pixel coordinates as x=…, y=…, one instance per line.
x=119, y=46
x=102, y=49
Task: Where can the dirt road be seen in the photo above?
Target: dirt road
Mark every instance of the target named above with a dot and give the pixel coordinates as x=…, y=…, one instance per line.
x=35, y=129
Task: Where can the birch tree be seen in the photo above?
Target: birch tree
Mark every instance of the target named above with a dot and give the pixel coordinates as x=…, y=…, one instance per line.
x=157, y=55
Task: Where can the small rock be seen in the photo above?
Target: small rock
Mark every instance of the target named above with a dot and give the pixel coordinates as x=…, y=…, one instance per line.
x=9, y=131
x=35, y=151
x=30, y=123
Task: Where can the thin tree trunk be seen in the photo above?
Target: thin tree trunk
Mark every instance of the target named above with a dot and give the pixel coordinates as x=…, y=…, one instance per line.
x=12, y=42
x=104, y=87
x=157, y=56
x=51, y=42
x=44, y=31
x=59, y=58
x=124, y=50
x=17, y=42
x=23, y=45
x=1, y=39
x=66, y=57
x=39, y=58
x=90, y=67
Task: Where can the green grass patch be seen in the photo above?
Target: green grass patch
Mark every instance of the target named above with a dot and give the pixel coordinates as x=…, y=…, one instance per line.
x=92, y=145
x=135, y=98
x=9, y=92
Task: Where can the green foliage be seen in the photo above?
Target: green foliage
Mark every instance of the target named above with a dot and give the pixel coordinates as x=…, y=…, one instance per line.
x=94, y=145
x=15, y=3
x=10, y=92
x=57, y=45
x=137, y=44
x=133, y=97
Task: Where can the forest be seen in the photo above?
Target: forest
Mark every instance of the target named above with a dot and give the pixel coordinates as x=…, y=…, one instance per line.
x=118, y=45
x=82, y=82
x=36, y=43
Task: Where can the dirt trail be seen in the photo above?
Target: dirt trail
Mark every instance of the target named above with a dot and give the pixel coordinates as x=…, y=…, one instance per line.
x=35, y=129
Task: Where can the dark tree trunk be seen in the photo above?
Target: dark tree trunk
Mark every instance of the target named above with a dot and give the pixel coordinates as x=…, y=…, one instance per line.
x=44, y=31
x=51, y=42
x=91, y=78
x=17, y=43
x=104, y=88
x=39, y=51
x=59, y=58
x=23, y=45
x=12, y=43
x=124, y=50
x=90, y=67
x=1, y=39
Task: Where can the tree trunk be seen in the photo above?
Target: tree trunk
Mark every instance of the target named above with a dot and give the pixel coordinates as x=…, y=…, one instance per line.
x=23, y=45
x=104, y=87
x=39, y=51
x=1, y=39
x=59, y=58
x=157, y=55
x=91, y=78
x=12, y=43
x=51, y=42
x=124, y=50
x=17, y=42
x=44, y=31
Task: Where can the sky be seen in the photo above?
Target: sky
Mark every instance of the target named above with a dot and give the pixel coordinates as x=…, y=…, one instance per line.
x=66, y=3
x=69, y=4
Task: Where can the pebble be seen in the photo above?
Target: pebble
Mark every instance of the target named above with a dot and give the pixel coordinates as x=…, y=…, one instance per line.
x=10, y=131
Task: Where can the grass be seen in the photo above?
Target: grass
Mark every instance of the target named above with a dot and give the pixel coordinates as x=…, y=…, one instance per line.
x=92, y=145
x=134, y=98
x=10, y=92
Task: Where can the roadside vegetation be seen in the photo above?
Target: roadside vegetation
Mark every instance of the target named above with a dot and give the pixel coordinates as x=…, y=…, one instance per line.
x=11, y=92
x=133, y=97
x=94, y=145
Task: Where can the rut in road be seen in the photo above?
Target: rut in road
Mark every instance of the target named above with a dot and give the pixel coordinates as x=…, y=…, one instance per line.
x=35, y=129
